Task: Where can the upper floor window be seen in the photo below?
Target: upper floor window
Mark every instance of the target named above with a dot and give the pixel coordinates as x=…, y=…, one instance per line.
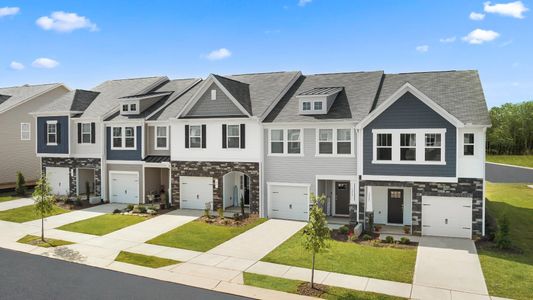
x=433, y=147
x=233, y=136
x=294, y=143
x=195, y=136
x=133, y=107
x=51, y=133
x=125, y=107
x=384, y=146
x=317, y=105
x=306, y=105
x=344, y=141
x=335, y=141
x=468, y=144
x=161, y=138
x=123, y=138
x=407, y=146
x=86, y=133
x=325, y=141
x=286, y=141
x=25, y=131
x=276, y=141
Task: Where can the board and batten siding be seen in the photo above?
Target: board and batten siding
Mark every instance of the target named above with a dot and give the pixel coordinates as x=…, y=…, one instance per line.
x=303, y=169
x=409, y=112
x=63, y=136
x=222, y=106
x=135, y=154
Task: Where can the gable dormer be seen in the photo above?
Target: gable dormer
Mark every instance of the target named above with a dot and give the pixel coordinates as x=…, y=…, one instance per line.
x=317, y=101
x=134, y=105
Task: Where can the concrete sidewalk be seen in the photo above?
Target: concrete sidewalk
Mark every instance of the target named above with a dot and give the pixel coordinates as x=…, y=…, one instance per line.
x=7, y=205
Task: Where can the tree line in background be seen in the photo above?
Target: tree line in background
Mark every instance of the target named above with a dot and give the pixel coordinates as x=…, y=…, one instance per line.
x=512, y=129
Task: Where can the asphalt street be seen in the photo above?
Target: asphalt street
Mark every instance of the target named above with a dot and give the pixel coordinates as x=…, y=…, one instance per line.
x=507, y=174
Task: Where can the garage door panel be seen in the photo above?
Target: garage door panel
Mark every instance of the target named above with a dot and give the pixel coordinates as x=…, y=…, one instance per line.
x=124, y=188
x=59, y=180
x=195, y=192
x=289, y=202
x=447, y=216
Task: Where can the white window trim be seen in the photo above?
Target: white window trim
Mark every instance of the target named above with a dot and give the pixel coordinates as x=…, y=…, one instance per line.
x=23, y=132
x=48, y=123
x=383, y=147
x=286, y=142
x=200, y=136
x=90, y=133
x=123, y=138
x=310, y=105
x=227, y=137
x=420, y=146
x=157, y=136
x=136, y=107
x=409, y=147
x=334, y=141
x=473, y=144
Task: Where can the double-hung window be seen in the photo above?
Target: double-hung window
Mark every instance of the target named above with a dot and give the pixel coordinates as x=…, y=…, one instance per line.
x=195, y=136
x=51, y=133
x=161, y=137
x=325, y=141
x=433, y=147
x=117, y=137
x=285, y=141
x=25, y=134
x=384, y=146
x=133, y=107
x=334, y=141
x=306, y=106
x=294, y=143
x=408, y=146
x=276, y=141
x=86, y=133
x=344, y=141
x=233, y=136
x=317, y=105
x=468, y=144
x=123, y=138
x=129, y=137
x=125, y=107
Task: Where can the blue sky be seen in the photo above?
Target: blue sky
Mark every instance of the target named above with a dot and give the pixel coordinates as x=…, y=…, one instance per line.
x=88, y=42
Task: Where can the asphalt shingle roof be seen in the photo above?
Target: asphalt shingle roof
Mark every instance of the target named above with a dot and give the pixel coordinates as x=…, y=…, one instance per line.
x=15, y=95
x=239, y=90
x=75, y=101
x=321, y=91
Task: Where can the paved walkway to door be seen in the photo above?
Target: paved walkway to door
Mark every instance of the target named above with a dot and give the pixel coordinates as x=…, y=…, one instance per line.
x=450, y=264
x=7, y=205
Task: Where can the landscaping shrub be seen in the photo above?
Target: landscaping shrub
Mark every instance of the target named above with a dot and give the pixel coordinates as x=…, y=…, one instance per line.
x=503, y=240
x=406, y=229
x=78, y=201
x=389, y=239
x=220, y=212
x=87, y=190
x=130, y=207
x=20, y=187
x=404, y=240
x=367, y=237
x=344, y=229
x=207, y=209
x=142, y=209
x=117, y=211
x=375, y=243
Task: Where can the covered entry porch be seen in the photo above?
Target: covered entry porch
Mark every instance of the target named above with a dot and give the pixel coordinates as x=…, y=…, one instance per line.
x=157, y=183
x=388, y=208
x=341, y=199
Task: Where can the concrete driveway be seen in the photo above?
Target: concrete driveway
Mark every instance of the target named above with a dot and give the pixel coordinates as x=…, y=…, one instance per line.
x=451, y=264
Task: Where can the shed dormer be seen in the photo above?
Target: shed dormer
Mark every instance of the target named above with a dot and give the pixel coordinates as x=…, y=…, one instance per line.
x=134, y=105
x=317, y=101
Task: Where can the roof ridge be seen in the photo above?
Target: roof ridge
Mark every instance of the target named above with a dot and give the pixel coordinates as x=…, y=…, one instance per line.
x=340, y=73
x=30, y=85
x=263, y=73
x=426, y=72
x=216, y=75
x=135, y=78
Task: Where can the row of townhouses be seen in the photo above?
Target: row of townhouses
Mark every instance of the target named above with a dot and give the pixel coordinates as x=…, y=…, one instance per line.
x=406, y=149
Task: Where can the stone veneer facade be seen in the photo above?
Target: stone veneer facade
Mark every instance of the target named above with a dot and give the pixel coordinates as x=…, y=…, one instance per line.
x=73, y=164
x=465, y=187
x=217, y=170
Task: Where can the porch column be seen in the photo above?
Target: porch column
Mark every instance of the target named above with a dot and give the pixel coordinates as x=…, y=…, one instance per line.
x=354, y=197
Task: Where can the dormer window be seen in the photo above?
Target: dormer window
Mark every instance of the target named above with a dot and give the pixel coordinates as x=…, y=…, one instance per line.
x=317, y=101
x=318, y=105
x=306, y=106
x=213, y=94
x=130, y=107
x=133, y=107
x=125, y=107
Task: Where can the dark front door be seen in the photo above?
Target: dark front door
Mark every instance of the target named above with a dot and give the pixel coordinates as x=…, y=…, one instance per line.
x=246, y=182
x=342, y=197
x=395, y=207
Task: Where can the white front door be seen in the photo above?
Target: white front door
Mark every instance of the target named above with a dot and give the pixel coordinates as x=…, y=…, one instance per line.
x=59, y=180
x=447, y=216
x=288, y=202
x=124, y=187
x=195, y=192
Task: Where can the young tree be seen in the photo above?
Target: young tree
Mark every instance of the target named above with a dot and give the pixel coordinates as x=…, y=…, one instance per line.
x=44, y=200
x=503, y=240
x=316, y=232
x=20, y=184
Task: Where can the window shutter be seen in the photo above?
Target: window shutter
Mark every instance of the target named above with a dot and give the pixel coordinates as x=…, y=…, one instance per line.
x=93, y=131
x=58, y=130
x=224, y=135
x=204, y=136
x=186, y=136
x=79, y=133
x=243, y=135
x=45, y=133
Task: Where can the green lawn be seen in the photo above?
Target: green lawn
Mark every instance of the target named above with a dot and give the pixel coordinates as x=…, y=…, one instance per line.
x=510, y=275
x=517, y=160
x=103, y=224
x=291, y=286
x=349, y=258
x=7, y=197
x=144, y=260
x=200, y=236
x=37, y=241
x=26, y=214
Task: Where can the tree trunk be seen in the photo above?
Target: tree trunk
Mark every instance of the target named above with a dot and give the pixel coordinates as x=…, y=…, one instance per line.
x=313, y=272
x=42, y=228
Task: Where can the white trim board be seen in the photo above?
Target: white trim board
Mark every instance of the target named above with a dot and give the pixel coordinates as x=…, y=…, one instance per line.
x=409, y=178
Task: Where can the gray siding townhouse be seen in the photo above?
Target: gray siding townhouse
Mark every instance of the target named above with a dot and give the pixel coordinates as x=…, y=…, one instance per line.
x=17, y=141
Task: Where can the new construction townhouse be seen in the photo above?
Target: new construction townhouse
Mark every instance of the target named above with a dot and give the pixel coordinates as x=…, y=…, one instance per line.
x=403, y=150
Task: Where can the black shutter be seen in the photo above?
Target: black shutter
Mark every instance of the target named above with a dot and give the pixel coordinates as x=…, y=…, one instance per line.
x=224, y=135
x=58, y=130
x=204, y=137
x=45, y=133
x=79, y=133
x=93, y=133
x=186, y=136
x=243, y=134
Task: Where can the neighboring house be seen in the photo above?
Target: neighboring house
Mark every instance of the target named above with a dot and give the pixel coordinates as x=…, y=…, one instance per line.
x=17, y=141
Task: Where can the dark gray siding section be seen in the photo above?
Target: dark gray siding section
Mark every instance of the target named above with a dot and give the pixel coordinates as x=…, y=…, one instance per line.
x=410, y=112
x=222, y=106
x=124, y=154
x=62, y=145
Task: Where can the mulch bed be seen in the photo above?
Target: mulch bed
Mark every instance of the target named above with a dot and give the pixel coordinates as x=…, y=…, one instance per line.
x=306, y=289
x=75, y=206
x=226, y=221
x=375, y=241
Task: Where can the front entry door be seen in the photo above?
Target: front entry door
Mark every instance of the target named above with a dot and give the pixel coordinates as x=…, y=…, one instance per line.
x=342, y=197
x=395, y=207
x=246, y=182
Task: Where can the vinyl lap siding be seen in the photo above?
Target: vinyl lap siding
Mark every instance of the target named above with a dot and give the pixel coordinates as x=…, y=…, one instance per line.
x=63, y=137
x=222, y=106
x=125, y=154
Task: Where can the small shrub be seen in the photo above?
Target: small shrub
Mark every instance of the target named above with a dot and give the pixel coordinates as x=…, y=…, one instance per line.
x=130, y=207
x=151, y=212
x=352, y=237
x=367, y=237
x=207, y=210
x=404, y=241
x=502, y=239
x=87, y=190
x=142, y=209
x=20, y=188
x=406, y=229
x=344, y=229
x=220, y=212
x=78, y=201
x=389, y=239
x=375, y=243
x=237, y=217
x=117, y=211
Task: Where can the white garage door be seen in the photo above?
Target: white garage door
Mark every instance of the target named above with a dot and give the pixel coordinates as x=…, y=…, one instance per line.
x=59, y=180
x=288, y=202
x=195, y=192
x=447, y=216
x=124, y=187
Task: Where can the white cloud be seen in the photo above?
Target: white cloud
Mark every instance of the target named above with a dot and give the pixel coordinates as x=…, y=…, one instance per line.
x=304, y=2
x=44, y=63
x=8, y=11
x=477, y=16
x=15, y=65
x=448, y=40
x=422, y=48
x=480, y=36
x=511, y=9
x=219, y=54
x=65, y=22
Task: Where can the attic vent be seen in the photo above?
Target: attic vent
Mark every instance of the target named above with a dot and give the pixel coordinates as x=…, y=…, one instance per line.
x=213, y=94
x=318, y=100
